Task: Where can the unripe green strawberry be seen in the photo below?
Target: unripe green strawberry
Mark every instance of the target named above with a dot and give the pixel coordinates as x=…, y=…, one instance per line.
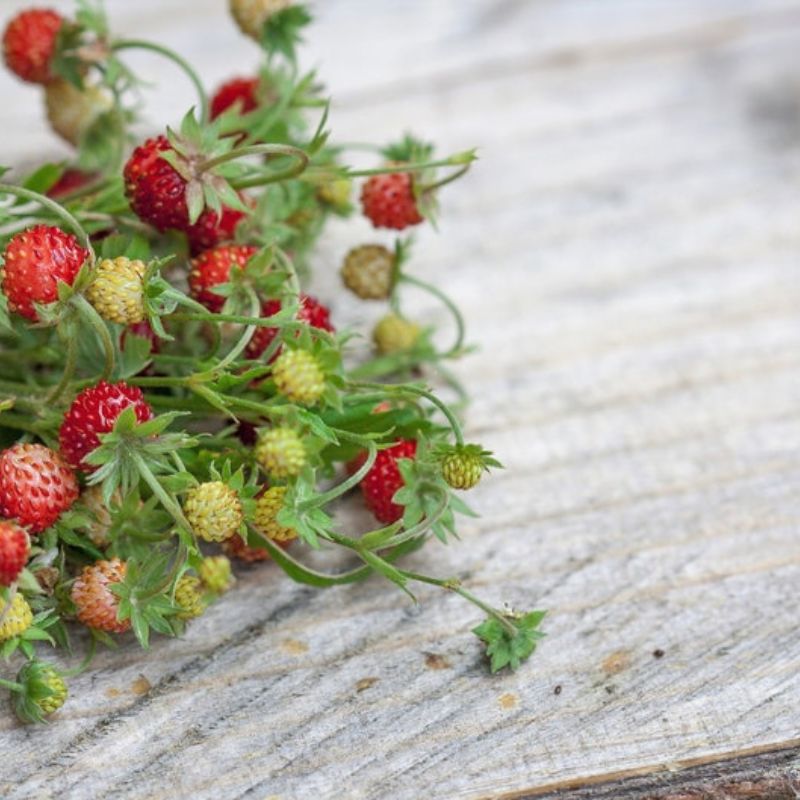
x=336, y=194
x=117, y=291
x=43, y=692
x=251, y=15
x=368, y=271
x=17, y=620
x=71, y=111
x=393, y=334
x=213, y=510
x=215, y=572
x=299, y=377
x=281, y=453
x=268, y=507
x=189, y=597
x=462, y=470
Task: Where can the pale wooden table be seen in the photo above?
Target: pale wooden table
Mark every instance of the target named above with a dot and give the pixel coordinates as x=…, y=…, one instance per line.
x=627, y=255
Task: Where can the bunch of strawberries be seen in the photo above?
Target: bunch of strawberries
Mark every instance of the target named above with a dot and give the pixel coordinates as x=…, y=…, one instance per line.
x=171, y=398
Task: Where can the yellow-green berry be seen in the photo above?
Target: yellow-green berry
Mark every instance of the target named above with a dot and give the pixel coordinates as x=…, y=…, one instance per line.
x=72, y=111
x=213, y=510
x=189, y=597
x=215, y=572
x=251, y=15
x=117, y=291
x=281, y=453
x=336, y=193
x=43, y=692
x=462, y=469
x=268, y=507
x=368, y=271
x=299, y=377
x=17, y=620
x=393, y=334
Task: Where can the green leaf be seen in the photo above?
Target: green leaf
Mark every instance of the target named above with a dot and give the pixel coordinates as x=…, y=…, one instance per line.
x=507, y=649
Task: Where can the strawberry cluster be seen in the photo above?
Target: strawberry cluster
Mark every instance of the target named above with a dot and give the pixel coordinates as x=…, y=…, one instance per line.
x=172, y=397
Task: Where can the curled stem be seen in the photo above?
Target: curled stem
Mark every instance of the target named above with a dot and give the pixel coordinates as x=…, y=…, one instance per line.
x=300, y=164
x=452, y=308
x=56, y=209
x=89, y=313
x=140, y=44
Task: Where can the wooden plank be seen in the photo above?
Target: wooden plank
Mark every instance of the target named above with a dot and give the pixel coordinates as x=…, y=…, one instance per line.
x=626, y=254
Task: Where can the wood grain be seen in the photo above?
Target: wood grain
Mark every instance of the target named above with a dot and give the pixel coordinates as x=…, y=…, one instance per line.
x=627, y=255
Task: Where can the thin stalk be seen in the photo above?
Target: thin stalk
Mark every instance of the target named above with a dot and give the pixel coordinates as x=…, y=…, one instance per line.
x=91, y=316
x=451, y=307
x=457, y=160
x=71, y=673
x=323, y=499
x=293, y=170
x=168, y=502
x=429, y=187
x=69, y=371
x=12, y=685
x=55, y=208
x=139, y=44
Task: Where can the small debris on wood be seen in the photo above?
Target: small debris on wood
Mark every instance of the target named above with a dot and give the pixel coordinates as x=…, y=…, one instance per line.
x=366, y=683
x=436, y=661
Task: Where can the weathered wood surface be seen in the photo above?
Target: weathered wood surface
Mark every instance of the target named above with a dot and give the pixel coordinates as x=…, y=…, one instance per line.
x=627, y=254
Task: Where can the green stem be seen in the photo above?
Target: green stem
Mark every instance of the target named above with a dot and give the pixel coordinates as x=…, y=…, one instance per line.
x=139, y=44
x=454, y=585
x=69, y=369
x=91, y=316
x=429, y=187
x=323, y=499
x=417, y=391
x=293, y=170
x=416, y=530
x=244, y=340
x=451, y=306
x=71, y=673
x=12, y=685
x=458, y=160
x=55, y=208
x=169, y=503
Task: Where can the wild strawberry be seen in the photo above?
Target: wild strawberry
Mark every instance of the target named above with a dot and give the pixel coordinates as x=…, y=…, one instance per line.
x=71, y=180
x=36, y=486
x=43, y=692
x=155, y=189
x=212, y=268
x=29, y=43
x=299, y=377
x=243, y=91
x=215, y=572
x=393, y=334
x=311, y=311
x=117, y=290
x=17, y=620
x=212, y=229
x=93, y=412
x=368, y=271
x=14, y=550
x=35, y=260
x=388, y=201
x=462, y=468
x=281, y=453
x=96, y=604
x=236, y=547
x=384, y=479
x=72, y=111
x=213, y=510
x=251, y=15
x=265, y=519
x=189, y=597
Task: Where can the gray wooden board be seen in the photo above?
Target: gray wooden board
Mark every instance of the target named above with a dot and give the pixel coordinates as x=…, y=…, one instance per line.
x=626, y=252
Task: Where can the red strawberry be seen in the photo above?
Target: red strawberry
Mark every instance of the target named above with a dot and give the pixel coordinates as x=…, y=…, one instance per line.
x=35, y=261
x=211, y=229
x=29, y=43
x=94, y=411
x=157, y=192
x=389, y=202
x=36, y=486
x=383, y=480
x=70, y=181
x=212, y=268
x=14, y=549
x=241, y=90
x=311, y=311
x=96, y=606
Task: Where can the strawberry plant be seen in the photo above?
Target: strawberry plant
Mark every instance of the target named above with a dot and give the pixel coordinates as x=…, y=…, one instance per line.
x=171, y=397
